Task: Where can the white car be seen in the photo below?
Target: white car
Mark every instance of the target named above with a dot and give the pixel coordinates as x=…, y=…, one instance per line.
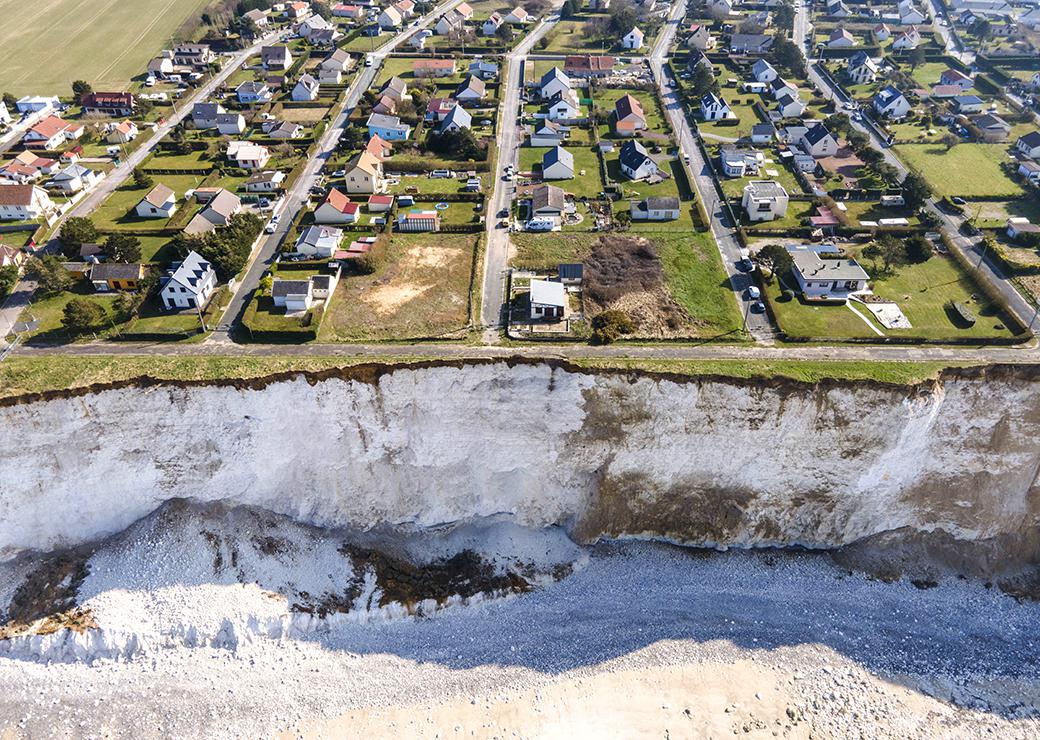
x=272, y=225
x=754, y=293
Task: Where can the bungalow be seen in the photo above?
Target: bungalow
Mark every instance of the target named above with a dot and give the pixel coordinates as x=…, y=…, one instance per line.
x=296, y=296
x=633, y=40
x=518, y=15
x=818, y=142
x=385, y=105
x=713, y=108
x=629, y=117
x=378, y=148
x=449, y=23
x=790, y=106
x=700, y=37
x=763, y=133
x=337, y=208
x=276, y=58
x=197, y=56
x=750, y=43
x=161, y=202
x=122, y=133
x=740, y=162
x=861, y=69
x=764, y=200
x=492, y=24
x=635, y=161
x=248, y=156
x=363, y=174
x=655, y=208
x=952, y=76
x=907, y=40
x=483, y=70
x=459, y=118
x=891, y=103
x=548, y=299
x=1018, y=226
x=554, y=81
x=257, y=17
x=388, y=127
x=23, y=202
x=1030, y=170
x=74, y=178
x=439, y=108
x=557, y=164
x=231, y=124
x=968, y=103
x=547, y=133
x=840, y=38
x=319, y=241
x=433, y=67
x=882, y=32
x=190, y=284
x=943, y=92
x=827, y=279
x=909, y=15
x=108, y=276
x=204, y=115
x=992, y=128
x=306, y=89
x=282, y=129
x=217, y=214
x=547, y=201
x=588, y=66
x=564, y=106
x=396, y=88
x=251, y=92
x=353, y=12
x=36, y=104
x=115, y=104
x=472, y=88
x=1029, y=145
x=51, y=133
x=763, y=71
x=380, y=203
x=419, y=220
x=268, y=181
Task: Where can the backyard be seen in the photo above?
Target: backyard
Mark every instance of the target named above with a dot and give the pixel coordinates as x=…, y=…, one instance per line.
x=967, y=170
x=587, y=185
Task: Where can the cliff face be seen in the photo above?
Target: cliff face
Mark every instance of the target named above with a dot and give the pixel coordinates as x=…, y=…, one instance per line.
x=700, y=460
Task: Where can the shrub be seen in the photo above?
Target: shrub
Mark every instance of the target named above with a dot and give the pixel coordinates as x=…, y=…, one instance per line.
x=609, y=325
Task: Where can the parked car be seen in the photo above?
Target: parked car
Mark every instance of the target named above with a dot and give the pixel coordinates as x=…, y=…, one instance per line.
x=339, y=173
x=272, y=225
x=754, y=293
x=504, y=213
x=758, y=307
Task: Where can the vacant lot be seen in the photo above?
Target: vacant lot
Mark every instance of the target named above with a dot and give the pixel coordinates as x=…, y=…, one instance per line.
x=49, y=43
x=969, y=170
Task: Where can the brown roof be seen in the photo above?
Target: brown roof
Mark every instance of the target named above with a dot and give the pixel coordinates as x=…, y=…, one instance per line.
x=101, y=99
x=116, y=271
x=579, y=63
x=158, y=195
x=433, y=64
x=627, y=105
x=16, y=195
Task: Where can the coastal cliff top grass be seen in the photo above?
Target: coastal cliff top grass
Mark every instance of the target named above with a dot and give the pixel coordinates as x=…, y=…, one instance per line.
x=26, y=375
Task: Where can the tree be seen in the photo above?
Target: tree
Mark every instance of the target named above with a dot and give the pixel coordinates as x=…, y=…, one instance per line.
x=51, y=276
x=776, y=258
x=8, y=279
x=323, y=10
x=889, y=250
x=857, y=140
x=917, y=57
x=142, y=179
x=609, y=325
x=265, y=285
x=82, y=315
x=838, y=123
x=459, y=144
x=915, y=190
x=786, y=54
x=981, y=29
x=76, y=232
x=918, y=249
x=81, y=89
x=10, y=101
x=570, y=9
x=703, y=80
x=123, y=248
x=950, y=140
x=622, y=18
x=623, y=219
x=887, y=172
x=783, y=16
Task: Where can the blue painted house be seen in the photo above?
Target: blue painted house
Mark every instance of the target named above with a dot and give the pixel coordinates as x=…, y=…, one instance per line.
x=389, y=128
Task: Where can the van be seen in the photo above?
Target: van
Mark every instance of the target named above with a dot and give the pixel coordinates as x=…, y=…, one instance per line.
x=368, y=61
x=441, y=173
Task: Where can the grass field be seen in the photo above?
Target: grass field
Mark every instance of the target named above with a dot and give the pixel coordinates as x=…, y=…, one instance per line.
x=968, y=170
x=49, y=43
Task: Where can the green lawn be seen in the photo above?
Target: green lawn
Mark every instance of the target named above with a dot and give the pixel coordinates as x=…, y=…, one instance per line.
x=698, y=282
x=546, y=251
x=605, y=99
x=116, y=212
x=638, y=190
x=48, y=312
x=195, y=160
x=575, y=36
x=429, y=185
x=967, y=170
x=402, y=67
x=733, y=187
x=742, y=107
x=588, y=185
x=796, y=211
x=927, y=74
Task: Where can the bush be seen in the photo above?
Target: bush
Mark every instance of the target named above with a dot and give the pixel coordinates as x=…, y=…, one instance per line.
x=609, y=325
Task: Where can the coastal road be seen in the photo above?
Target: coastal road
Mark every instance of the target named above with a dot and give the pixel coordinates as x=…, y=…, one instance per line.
x=296, y=198
x=510, y=138
x=722, y=229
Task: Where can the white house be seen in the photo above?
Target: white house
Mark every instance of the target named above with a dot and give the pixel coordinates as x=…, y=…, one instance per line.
x=122, y=133
x=1030, y=170
x=247, y=155
x=700, y=37
x=557, y=164
x=840, y=38
x=389, y=18
x=74, y=178
x=275, y=58
x=740, y=162
x=1029, y=145
x=161, y=202
x=632, y=40
x=882, y=32
x=953, y=76
x=819, y=142
x=764, y=200
x=635, y=161
x=458, y=118
x=190, y=285
x=268, y=181
x=306, y=89
x=319, y=241
x=518, y=15
x=337, y=208
x=548, y=133
x=564, y=106
x=231, y=124
x=909, y=15
x=548, y=299
x=763, y=71
x=861, y=69
x=790, y=106
x=891, y=103
x=713, y=108
x=907, y=40
x=363, y=174
x=553, y=82
x=492, y=24
x=23, y=202
x=827, y=279
x=221, y=207
x=655, y=208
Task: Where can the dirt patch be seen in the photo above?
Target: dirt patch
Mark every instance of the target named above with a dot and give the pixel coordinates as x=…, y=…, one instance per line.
x=388, y=299
x=304, y=115
x=46, y=600
x=625, y=273
x=845, y=163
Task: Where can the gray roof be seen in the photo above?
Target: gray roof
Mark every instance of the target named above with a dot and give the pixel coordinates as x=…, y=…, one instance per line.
x=458, y=116
x=988, y=120
x=205, y=110
x=281, y=288
x=384, y=121
x=661, y=203
x=887, y=96
x=557, y=154
x=817, y=134
x=554, y=73
x=548, y=293
x=192, y=272
x=813, y=267
x=115, y=271
x=766, y=189
x=762, y=129
x=547, y=196
x=1031, y=140
x=633, y=154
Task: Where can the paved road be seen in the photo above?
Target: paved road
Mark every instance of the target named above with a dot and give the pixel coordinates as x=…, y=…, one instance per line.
x=721, y=227
x=19, y=127
x=296, y=198
x=511, y=137
x=972, y=248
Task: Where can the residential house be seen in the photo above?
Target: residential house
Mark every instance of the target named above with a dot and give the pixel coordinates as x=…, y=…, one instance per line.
x=11, y=257
x=36, y=103
x=450, y=23
x=405, y=7
x=386, y=105
x=943, y=92
x=629, y=118
x=337, y=208
x=5, y=115
x=196, y=56
x=968, y=104
x=492, y=24
x=557, y=164
x=1030, y=170
x=737, y=162
x=160, y=202
x=547, y=133
x=23, y=202
x=257, y=17
x=204, y=115
x=635, y=161
x=909, y=15
x=162, y=67
x=352, y=12
x=907, y=40
x=319, y=241
x=838, y=9
x=588, y=66
x=297, y=11
x=750, y=43
x=251, y=92
x=780, y=87
x=719, y=9
x=840, y=38
x=548, y=300
x=418, y=219
x=231, y=124
x=114, y=104
x=564, y=106
x=763, y=133
x=190, y=285
x=74, y=178
x=891, y=103
x=363, y=174
x=696, y=59
x=547, y=201
x=633, y=40
x=465, y=10
x=433, y=67
x=378, y=148
x=457, y=119
x=763, y=71
x=268, y=181
x=396, y=88
x=713, y=108
x=331, y=69
x=282, y=129
x=554, y=81
x=418, y=39
x=276, y=58
x=217, y=214
x=655, y=208
x=700, y=37
x=518, y=15
x=992, y=128
x=389, y=18
x=882, y=32
x=314, y=25
x=51, y=133
x=388, y=127
x=818, y=142
x=106, y=276
x=1029, y=145
x=861, y=69
x=122, y=133
x=952, y=76
x=1017, y=227
x=248, y=156
x=439, y=108
x=306, y=89
x=764, y=200
x=296, y=296
x=380, y=203
x=483, y=70
x=789, y=106
x=827, y=279
x=471, y=89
